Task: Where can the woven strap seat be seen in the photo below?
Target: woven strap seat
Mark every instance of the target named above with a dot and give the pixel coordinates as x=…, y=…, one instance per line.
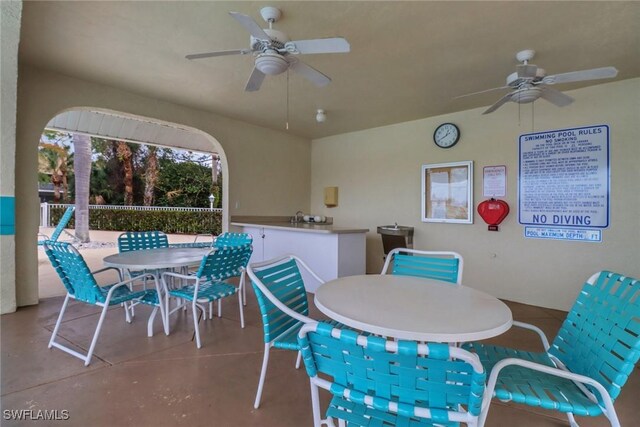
x=357, y=415
x=522, y=385
x=491, y=354
x=123, y=294
x=209, y=291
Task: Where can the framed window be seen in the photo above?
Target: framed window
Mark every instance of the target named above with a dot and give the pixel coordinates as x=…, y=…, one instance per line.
x=447, y=192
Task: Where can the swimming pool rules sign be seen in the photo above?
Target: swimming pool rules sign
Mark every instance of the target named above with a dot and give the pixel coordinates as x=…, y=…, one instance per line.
x=563, y=183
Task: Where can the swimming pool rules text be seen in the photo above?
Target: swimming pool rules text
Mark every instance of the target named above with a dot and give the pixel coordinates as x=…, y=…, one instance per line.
x=563, y=180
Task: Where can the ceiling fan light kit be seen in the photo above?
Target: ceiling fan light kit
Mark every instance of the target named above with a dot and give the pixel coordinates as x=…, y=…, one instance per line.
x=321, y=116
x=271, y=63
x=275, y=52
x=530, y=83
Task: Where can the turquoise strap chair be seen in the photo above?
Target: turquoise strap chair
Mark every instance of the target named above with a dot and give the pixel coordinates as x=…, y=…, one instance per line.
x=139, y=240
x=197, y=243
x=282, y=299
x=232, y=239
x=81, y=286
x=583, y=370
x=375, y=382
x=439, y=265
x=60, y=228
x=208, y=283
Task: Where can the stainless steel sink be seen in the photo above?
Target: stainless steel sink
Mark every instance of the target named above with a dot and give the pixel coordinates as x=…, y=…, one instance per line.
x=396, y=236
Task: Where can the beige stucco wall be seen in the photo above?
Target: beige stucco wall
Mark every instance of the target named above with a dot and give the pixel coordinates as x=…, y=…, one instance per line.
x=269, y=171
x=378, y=175
x=10, y=12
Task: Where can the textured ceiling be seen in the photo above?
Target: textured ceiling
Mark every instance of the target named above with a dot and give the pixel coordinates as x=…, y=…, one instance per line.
x=407, y=61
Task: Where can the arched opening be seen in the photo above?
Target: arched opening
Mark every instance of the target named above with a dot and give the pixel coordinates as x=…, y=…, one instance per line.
x=121, y=130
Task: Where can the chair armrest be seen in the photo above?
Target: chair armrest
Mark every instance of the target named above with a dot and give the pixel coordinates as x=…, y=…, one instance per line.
x=179, y=276
x=102, y=270
x=46, y=236
x=578, y=379
x=126, y=283
x=543, y=337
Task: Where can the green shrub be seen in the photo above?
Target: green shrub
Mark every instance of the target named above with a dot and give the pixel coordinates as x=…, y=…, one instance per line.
x=174, y=222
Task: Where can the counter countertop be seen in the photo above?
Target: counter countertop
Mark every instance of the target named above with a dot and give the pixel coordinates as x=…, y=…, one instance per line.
x=301, y=226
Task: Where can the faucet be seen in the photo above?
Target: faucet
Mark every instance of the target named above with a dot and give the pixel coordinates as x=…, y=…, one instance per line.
x=298, y=217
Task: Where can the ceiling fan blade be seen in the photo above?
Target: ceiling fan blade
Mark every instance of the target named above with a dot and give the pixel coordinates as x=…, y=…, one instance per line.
x=482, y=91
x=310, y=73
x=577, y=76
x=255, y=80
x=555, y=96
x=499, y=104
x=526, y=70
x=219, y=53
x=328, y=45
x=250, y=25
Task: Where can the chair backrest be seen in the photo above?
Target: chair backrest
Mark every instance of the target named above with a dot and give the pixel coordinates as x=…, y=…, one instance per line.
x=600, y=338
x=62, y=224
x=281, y=295
x=224, y=263
x=232, y=239
x=139, y=240
x=440, y=265
x=433, y=377
x=73, y=271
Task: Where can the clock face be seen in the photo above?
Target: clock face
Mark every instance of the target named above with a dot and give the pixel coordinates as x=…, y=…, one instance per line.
x=446, y=135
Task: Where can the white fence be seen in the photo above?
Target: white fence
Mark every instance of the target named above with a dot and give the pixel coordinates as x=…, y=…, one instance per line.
x=45, y=210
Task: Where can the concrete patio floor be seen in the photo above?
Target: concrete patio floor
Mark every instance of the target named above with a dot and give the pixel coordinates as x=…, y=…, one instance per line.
x=165, y=380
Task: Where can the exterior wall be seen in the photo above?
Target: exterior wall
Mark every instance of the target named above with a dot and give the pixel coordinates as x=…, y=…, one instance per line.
x=269, y=171
x=378, y=175
x=10, y=13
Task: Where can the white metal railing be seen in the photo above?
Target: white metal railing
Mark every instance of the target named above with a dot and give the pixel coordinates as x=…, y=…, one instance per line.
x=45, y=209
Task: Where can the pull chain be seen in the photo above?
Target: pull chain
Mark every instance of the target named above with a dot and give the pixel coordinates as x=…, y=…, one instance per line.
x=532, y=117
x=287, y=123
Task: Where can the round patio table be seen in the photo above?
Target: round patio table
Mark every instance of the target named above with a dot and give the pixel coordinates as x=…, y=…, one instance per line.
x=156, y=259
x=413, y=308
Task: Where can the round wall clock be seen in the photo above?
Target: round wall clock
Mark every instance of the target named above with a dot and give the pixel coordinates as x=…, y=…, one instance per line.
x=446, y=135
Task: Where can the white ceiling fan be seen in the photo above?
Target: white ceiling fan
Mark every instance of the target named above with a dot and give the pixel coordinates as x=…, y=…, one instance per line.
x=529, y=83
x=275, y=53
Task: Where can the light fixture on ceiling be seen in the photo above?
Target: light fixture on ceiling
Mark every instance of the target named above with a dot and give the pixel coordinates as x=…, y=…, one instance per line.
x=321, y=116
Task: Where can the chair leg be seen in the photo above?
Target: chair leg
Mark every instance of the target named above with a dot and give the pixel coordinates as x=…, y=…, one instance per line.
x=196, y=323
x=96, y=334
x=211, y=310
x=298, y=359
x=263, y=374
x=315, y=405
x=241, y=300
x=55, y=329
x=220, y=307
x=152, y=317
x=241, y=311
x=244, y=290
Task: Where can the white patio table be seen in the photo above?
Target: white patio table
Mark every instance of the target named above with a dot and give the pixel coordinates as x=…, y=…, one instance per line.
x=155, y=261
x=413, y=308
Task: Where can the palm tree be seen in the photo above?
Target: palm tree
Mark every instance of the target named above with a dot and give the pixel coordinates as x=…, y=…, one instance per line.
x=151, y=176
x=53, y=160
x=82, y=169
x=126, y=157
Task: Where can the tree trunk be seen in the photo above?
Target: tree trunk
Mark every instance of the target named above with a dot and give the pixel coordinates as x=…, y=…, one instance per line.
x=150, y=176
x=82, y=168
x=125, y=156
